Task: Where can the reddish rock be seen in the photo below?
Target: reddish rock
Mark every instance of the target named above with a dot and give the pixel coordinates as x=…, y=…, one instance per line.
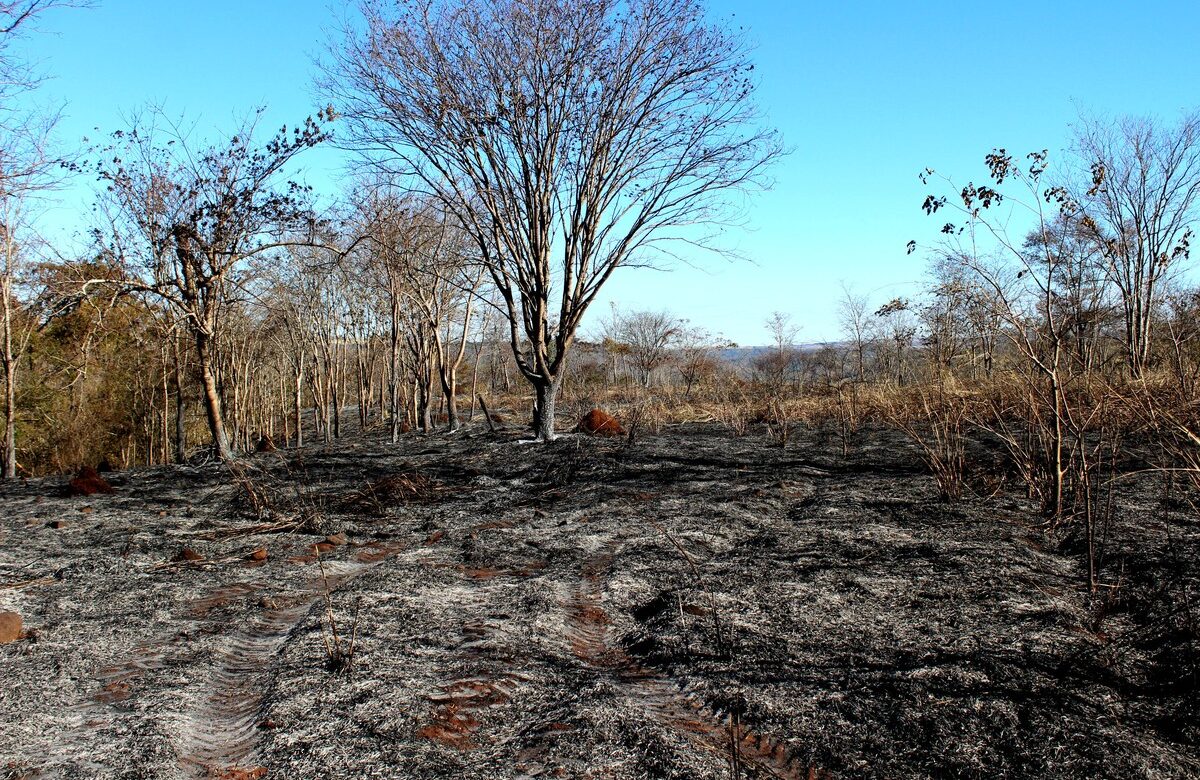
x=10, y=627
x=259, y=555
x=600, y=423
x=188, y=554
x=88, y=482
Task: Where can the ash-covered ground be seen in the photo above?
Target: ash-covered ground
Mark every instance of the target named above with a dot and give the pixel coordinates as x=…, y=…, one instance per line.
x=696, y=605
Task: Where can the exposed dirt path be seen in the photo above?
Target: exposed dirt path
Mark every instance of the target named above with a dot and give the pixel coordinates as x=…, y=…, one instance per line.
x=737, y=742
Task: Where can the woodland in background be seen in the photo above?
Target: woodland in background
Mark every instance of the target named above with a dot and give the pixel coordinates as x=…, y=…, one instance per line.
x=509, y=181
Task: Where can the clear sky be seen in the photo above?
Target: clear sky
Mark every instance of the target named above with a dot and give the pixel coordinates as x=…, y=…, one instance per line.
x=865, y=93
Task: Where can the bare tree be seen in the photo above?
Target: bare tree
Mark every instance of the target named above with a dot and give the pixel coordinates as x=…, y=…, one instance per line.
x=943, y=313
x=648, y=337
x=697, y=356
x=26, y=171
x=1024, y=292
x=16, y=18
x=1140, y=207
x=1081, y=286
x=899, y=327
x=854, y=315
x=185, y=220
x=568, y=138
x=781, y=361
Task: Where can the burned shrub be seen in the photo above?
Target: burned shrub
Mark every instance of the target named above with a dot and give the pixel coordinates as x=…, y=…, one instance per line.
x=404, y=487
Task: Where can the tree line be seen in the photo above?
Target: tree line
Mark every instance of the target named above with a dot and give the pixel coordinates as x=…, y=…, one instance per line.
x=500, y=187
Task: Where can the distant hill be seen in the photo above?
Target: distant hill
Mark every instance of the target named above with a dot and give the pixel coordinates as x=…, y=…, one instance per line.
x=744, y=355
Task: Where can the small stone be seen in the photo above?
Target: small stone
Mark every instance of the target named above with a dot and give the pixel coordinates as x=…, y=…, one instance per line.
x=87, y=510
x=259, y=555
x=10, y=627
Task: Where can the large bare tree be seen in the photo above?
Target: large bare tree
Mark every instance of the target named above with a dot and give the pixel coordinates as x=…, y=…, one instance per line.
x=569, y=138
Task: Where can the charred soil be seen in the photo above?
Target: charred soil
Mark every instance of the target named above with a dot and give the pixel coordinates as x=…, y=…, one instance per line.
x=698, y=605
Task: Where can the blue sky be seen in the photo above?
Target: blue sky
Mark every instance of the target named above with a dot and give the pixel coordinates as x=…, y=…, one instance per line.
x=865, y=93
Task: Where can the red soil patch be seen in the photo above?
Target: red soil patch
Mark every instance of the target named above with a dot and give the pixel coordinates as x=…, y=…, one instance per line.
x=600, y=423
x=115, y=691
x=223, y=595
x=374, y=552
x=10, y=627
x=187, y=554
x=88, y=482
x=454, y=722
x=238, y=773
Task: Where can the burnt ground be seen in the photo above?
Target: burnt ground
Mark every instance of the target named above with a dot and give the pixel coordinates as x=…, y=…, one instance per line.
x=695, y=606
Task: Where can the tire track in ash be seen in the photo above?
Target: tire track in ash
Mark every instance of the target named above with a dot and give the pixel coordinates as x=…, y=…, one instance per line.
x=122, y=680
x=220, y=738
x=589, y=636
x=118, y=681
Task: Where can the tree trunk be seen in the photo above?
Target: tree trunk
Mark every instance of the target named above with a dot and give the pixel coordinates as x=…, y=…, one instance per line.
x=299, y=403
x=10, y=383
x=450, y=391
x=180, y=408
x=543, y=410
x=212, y=398
x=10, y=417
x=394, y=371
